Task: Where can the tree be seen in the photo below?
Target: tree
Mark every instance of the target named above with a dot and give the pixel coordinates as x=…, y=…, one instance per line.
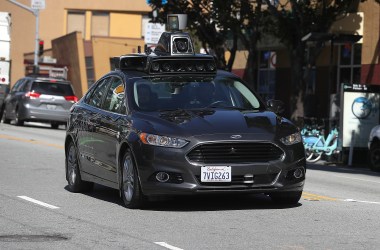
x=291, y=21
x=220, y=25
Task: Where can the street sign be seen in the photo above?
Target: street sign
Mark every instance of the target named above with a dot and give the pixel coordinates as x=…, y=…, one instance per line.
x=153, y=32
x=359, y=104
x=38, y=4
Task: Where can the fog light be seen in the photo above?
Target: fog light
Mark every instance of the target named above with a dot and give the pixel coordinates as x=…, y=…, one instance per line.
x=162, y=177
x=298, y=173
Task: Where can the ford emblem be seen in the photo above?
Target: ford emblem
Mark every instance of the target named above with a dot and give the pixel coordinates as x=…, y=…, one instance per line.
x=235, y=136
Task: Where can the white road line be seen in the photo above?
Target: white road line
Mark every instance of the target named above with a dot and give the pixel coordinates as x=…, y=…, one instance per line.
x=370, y=202
x=38, y=202
x=358, y=179
x=164, y=244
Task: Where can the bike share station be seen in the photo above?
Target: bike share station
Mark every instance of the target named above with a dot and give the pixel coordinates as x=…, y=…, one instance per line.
x=359, y=113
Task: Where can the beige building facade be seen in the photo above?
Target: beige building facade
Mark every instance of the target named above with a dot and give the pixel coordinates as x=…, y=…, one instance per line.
x=84, y=34
x=101, y=29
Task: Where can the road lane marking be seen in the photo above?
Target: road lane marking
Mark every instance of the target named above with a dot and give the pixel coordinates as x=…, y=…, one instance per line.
x=316, y=197
x=13, y=138
x=166, y=245
x=370, y=202
x=358, y=179
x=37, y=202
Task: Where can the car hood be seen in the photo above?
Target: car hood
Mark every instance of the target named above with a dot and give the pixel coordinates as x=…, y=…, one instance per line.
x=187, y=123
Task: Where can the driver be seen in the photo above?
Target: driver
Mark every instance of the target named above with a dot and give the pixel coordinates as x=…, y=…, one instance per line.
x=205, y=94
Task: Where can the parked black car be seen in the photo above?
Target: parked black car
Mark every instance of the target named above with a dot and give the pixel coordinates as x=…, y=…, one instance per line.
x=42, y=99
x=169, y=123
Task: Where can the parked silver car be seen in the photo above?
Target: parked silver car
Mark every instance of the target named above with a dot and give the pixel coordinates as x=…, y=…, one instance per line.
x=39, y=99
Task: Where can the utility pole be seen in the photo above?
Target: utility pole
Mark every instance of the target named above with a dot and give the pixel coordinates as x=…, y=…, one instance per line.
x=37, y=5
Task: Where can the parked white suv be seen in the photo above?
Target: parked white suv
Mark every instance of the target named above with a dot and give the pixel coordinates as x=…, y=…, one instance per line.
x=374, y=148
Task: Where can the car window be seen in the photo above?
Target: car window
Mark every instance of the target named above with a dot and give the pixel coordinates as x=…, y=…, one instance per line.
x=99, y=93
x=26, y=86
x=52, y=88
x=17, y=85
x=115, y=95
x=150, y=94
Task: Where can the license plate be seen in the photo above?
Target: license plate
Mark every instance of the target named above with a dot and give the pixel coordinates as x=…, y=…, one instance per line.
x=215, y=174
x=51, y=106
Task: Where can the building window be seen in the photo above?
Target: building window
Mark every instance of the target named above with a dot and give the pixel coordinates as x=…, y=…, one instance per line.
x=349, y=63
x=100, y=24
x=76, y=21
x=90, y=70
x=267, y=75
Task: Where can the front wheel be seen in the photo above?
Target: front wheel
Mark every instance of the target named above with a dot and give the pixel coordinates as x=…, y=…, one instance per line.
x=4, y=116
x=18, y=120
x=130, y=188
x=374, y=157
x=286, y=198
x=73, y=177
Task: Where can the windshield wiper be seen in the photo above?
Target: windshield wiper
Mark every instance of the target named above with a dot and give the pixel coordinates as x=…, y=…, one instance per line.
x=172, y=110
x=229, y=107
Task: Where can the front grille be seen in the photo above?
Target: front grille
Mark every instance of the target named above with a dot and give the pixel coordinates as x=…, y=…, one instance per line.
x=227, y=153
x=261, y=179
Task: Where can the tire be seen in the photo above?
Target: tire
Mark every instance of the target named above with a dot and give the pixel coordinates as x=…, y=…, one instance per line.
x=314, y=157
x=18, y=121
x=54, y=125
x=1, y=112
x=74, y=180
x=374, y=157
x=5, y=119
x=130, y=186
x=286, y=198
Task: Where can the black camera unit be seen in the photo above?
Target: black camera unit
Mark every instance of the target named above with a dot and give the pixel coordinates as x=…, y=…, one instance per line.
x=175, y=42
x=174, y=54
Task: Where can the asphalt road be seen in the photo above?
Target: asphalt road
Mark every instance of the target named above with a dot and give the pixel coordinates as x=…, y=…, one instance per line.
x=340, y=208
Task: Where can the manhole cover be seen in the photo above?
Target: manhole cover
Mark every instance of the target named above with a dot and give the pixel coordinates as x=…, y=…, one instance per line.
x=31, y=238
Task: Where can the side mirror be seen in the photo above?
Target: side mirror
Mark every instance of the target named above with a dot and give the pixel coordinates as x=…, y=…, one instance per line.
x=276, y=106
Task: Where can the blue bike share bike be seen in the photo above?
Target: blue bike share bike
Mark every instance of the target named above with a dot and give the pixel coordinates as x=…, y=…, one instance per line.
x=316, y=144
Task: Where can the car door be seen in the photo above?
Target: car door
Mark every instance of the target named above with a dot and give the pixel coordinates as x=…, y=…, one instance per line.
x=107, y=135
x=87, y=116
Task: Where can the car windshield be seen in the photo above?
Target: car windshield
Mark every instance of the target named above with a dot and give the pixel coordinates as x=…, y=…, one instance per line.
x=52, y=88
x=171, y=93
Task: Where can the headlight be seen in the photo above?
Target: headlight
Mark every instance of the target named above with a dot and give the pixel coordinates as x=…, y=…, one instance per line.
x=162, y=141
x=291, y=139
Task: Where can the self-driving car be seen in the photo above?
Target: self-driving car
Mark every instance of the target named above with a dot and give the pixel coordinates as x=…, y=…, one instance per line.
x=167, y=122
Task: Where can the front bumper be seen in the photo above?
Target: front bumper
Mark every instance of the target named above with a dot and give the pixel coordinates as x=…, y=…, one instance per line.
x=272, y=176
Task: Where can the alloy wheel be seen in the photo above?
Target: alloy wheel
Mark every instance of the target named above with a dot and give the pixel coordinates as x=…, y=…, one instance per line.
x=128, y=178
x=72, y=165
